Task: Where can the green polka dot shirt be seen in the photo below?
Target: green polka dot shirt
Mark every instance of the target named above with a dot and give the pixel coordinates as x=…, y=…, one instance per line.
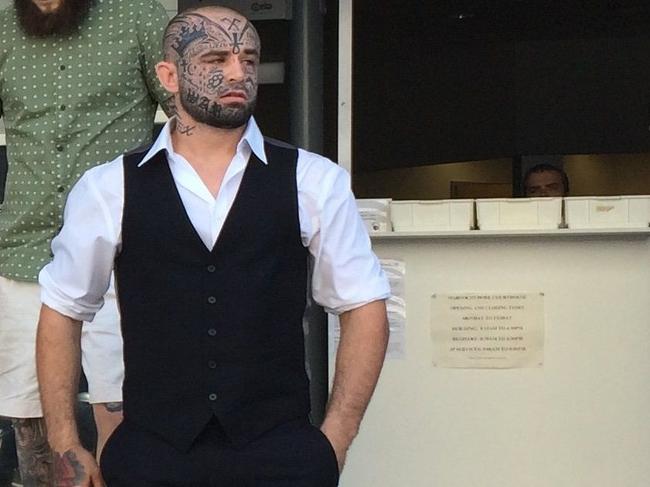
x=69, y=104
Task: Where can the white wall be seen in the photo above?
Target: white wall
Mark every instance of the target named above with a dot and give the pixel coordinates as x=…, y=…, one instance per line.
x=171, y=6
x=583, y=420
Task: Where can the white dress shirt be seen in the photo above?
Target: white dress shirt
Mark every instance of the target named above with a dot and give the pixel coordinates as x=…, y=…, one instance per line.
x=346, y=273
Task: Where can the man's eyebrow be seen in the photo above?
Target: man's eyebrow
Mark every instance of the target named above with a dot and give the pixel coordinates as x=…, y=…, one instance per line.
x=215, y=52
x=226, y=52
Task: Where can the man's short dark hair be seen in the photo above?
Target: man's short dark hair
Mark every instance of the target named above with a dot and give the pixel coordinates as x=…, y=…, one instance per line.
x=546, y=168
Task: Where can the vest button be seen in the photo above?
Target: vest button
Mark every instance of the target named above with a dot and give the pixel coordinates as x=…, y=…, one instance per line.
x=212, y=268
x=212, y=364
x=212, y=332
x=212, y=300
x=212, y=397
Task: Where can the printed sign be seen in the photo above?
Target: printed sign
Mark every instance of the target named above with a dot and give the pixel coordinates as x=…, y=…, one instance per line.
x=488, y=330
x=251, y=9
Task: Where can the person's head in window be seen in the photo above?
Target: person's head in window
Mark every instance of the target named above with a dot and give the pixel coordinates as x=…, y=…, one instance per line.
x=545, y=180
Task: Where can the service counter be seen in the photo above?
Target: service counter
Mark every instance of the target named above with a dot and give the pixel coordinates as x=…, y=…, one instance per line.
x=582, y=419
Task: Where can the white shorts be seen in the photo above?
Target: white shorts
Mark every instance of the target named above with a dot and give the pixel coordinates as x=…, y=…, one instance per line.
x=101, y=346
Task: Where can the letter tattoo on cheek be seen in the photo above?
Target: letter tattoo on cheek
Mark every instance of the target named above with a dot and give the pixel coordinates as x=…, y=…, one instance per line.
x=192, y=97
x=204, y=104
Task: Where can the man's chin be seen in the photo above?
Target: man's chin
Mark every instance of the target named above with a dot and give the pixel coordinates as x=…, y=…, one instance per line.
x=232, y=115
x=228, y=123
x=46, y=19
x=235, y=108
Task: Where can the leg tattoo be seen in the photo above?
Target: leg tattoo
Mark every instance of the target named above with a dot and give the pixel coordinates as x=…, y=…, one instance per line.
x=34, y=455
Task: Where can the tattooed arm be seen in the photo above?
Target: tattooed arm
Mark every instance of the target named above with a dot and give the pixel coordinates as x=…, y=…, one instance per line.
x=34, y=454
x=58, y=355
x=108, y=416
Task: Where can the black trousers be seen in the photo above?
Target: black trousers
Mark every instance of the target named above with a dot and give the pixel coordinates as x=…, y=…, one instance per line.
x=8, y=458
x=295, y=454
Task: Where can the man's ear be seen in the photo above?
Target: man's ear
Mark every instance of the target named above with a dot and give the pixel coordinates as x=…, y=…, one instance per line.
x=168, y=76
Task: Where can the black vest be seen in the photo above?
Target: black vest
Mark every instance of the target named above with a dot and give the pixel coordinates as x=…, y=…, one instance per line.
x=213, y=332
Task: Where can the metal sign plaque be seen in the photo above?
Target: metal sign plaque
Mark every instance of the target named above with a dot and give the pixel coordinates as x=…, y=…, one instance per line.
x=252, y=9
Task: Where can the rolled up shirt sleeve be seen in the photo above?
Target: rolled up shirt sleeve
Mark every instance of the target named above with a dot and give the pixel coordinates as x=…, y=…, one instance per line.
x=347, y=273
x=75, y=281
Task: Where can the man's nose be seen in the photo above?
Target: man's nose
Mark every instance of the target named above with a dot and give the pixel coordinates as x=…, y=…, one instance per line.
x=235, y=70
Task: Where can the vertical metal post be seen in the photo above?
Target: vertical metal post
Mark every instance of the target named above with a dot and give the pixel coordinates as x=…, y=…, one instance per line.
x=345, y=85
x=305, y=75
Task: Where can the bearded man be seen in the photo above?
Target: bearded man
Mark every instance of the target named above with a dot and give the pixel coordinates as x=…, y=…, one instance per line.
x=210, y=231
x=77, y=87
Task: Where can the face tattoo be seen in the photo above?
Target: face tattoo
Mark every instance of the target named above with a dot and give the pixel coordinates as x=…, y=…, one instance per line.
x=205, y=49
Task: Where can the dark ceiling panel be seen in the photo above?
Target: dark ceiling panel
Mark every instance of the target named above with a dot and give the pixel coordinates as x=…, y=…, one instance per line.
x=461, y=80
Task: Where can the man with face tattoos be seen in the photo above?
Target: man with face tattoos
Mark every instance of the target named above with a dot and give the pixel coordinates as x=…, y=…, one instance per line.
x=77, y=87
x=210, y=231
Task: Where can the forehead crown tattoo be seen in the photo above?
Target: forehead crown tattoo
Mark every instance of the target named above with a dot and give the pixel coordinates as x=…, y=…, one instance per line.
x=186, y=35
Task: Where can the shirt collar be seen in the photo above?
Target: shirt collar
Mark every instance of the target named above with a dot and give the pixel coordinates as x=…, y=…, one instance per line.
x=252, y=136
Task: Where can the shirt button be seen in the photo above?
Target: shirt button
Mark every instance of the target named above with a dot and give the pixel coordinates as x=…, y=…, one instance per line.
x=62, y=107
x=62, y=67
x=212, y=397
x=59, y=148
x=212, y=268
x=60, y=189
x=212, y=332
x=212, y=364
x=212, y=300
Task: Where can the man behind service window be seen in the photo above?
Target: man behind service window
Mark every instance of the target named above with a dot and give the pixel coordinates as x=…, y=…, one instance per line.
x=545, y=180
x=77, y=87
x=210, y=230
